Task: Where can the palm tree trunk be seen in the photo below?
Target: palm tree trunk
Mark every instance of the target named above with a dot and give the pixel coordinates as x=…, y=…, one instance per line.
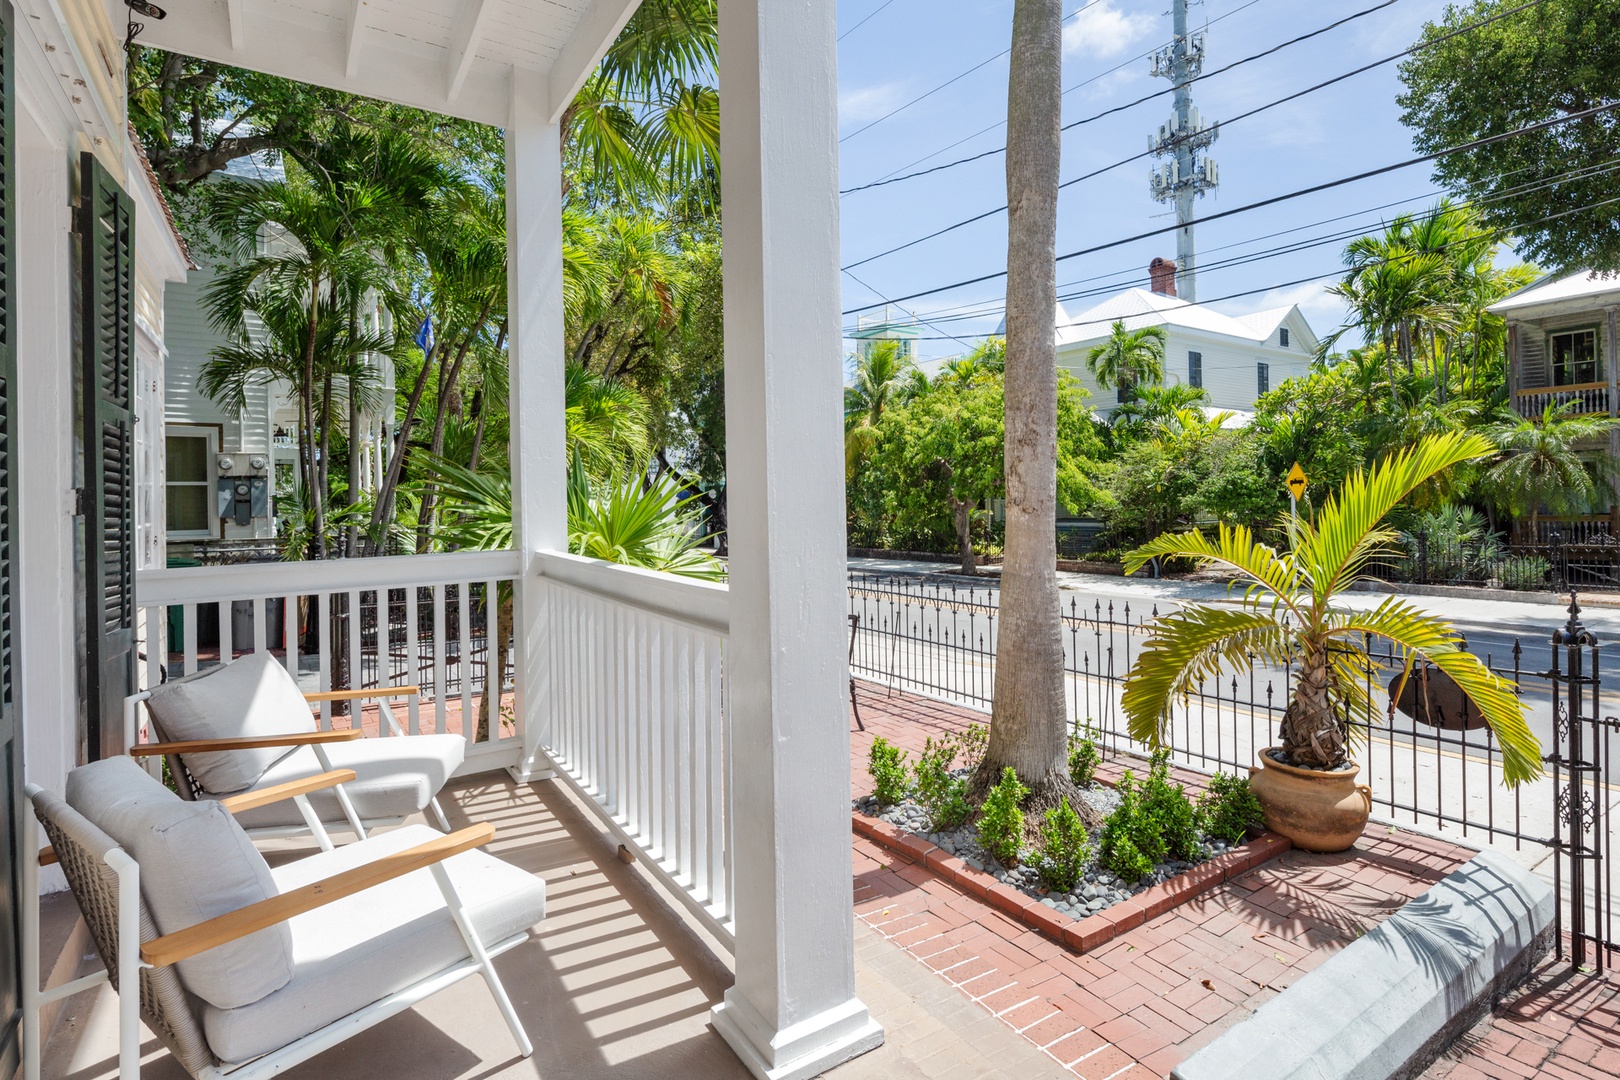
x=962, y=512
x=447, y=382
x=1028, y=728
x=351, y=545
x=314, y=492
x=1313, y=737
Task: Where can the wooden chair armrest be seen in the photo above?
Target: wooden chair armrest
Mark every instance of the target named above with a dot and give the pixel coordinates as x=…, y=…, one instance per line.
x=249, y=800
x=364, y=694
x=245, y=742
x=183, y=944
x=47, y=856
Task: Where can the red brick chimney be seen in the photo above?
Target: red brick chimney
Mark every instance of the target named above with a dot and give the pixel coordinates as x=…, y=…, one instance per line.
x=1162, y=277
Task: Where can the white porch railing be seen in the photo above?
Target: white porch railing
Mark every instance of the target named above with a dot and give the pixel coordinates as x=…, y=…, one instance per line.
x=423, y=620
x=639, y=718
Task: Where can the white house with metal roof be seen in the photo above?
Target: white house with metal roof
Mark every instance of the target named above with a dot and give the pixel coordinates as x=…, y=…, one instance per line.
x=1234, y=358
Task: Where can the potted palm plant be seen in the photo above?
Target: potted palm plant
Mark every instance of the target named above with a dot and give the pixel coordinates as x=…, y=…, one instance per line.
x=1307, y=784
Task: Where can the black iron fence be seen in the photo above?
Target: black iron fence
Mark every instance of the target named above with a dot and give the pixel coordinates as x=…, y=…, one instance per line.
x=1440, y=769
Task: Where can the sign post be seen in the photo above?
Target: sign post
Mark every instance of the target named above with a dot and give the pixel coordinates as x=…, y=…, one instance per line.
x=1296, y=484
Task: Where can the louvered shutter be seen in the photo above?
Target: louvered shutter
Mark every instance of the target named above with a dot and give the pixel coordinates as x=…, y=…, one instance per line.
x=10, y=746
x=107, y=265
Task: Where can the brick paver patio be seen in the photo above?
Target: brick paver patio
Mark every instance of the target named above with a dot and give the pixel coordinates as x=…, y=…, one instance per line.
x=1135, y=1007
x=1559, y=1024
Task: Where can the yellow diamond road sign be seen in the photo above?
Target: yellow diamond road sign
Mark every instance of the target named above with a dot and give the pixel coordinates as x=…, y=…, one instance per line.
x=1296, y=481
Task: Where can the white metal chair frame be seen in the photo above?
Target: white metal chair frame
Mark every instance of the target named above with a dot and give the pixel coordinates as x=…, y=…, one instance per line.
x=133, y=954
x=316, y=740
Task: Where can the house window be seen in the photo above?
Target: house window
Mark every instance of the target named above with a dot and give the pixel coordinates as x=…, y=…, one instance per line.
x=188, y=483
x=1195, y=369
x=1282, y=337
x=1262, y=378
x=1574, y=358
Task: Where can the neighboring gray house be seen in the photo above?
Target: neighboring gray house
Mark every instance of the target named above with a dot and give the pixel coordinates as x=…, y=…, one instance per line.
x=1561, y=348
x=225, y=468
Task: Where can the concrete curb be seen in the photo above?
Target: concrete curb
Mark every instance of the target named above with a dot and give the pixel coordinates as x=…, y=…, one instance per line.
x=1470, y=592
x=1076, y=934
x=1387, y=1005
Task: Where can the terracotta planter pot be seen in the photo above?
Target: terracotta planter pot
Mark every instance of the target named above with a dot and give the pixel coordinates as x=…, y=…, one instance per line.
x=1318, y=811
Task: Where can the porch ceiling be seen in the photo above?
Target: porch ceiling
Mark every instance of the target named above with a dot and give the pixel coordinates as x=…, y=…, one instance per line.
x=449, y=56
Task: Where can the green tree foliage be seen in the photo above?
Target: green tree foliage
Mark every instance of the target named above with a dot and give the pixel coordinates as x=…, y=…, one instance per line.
x=1542, y=465
x=940, y=455
x=1546, y=61
x=1129, y=359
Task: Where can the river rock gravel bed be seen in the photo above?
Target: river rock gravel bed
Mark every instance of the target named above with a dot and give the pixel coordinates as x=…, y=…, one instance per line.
x=1098, y=889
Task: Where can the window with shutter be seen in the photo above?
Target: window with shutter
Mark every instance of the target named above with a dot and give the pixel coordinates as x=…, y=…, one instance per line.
x=107, y=268
x=10, y=750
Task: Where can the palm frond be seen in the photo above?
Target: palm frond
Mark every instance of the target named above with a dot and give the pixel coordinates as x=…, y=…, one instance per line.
x=1186, y=648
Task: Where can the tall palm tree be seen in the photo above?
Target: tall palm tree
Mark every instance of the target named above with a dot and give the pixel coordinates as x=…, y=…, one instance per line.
x=1128, y=359
x=1029, y=729
x=1154, y=405
x=1541, y=463
x=1287, y=616
x=882, y=376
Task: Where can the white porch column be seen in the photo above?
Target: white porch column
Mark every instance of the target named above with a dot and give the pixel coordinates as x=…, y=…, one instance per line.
x=792, y=1011
x=538, y=449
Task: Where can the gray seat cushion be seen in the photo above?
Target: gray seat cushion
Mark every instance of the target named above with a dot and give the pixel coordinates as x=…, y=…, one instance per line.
x=250, y=696
x=364, y=947
x=395, y=776
x=196, y=863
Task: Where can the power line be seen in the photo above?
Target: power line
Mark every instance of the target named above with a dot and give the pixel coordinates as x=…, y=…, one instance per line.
x=864, y=21
x=919, y=319
x=1139, y=101
x=953, y=79
x=1241, y=116
x=1003, y=123
x=1584, y=114
x=986, y=309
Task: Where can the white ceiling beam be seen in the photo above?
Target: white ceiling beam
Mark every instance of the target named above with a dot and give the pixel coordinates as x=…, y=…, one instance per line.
x=351, y=66
x=237, y=18
x=598, y=26
x=295, y=49
x=464, y=40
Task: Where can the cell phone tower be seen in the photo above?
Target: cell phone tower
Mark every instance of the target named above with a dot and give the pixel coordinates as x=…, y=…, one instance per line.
x=1184, y=140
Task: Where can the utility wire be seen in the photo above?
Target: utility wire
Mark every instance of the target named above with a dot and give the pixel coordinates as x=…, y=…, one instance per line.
x=864, y=21
x=1139, y=101
x=953, y=79
x=985, y=309
x=918, y=318
x=1584, y=114
x=1241, y=116
x=1320, y=277
x=1003, y=123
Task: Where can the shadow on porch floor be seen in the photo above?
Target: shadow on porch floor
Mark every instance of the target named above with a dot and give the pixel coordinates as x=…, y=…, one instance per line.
x=613, y=985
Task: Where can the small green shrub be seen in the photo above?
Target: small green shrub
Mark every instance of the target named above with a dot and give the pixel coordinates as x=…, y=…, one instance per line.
x=944, y=796
x=1083, y=759
x=1064, y=850
x=971, y=745
x=1001, y=825
x=1169, y=813
x=887, y=764
x=1229, y=809
x=1153, y=822
x=1524, y=571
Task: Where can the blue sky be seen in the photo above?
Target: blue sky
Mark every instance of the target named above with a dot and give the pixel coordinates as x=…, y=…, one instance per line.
x=911, y=46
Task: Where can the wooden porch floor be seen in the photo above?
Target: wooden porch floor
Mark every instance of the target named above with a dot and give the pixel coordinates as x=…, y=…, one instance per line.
x=613, y=985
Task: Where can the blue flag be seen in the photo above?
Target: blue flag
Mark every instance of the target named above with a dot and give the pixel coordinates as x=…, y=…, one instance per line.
x=424, y=336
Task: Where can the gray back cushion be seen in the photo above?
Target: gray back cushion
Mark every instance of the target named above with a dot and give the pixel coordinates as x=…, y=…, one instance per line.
x=248, y=697
x=196, y=863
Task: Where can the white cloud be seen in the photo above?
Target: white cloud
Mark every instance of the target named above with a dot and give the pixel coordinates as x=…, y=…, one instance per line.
x=864, y=104
x=1103, y=30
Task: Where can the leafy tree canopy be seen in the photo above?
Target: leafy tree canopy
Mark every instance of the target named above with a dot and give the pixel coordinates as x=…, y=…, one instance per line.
x=1547, y=61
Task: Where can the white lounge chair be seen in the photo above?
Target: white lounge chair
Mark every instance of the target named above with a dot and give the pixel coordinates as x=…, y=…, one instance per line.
x=245, y=725
x=244, y=971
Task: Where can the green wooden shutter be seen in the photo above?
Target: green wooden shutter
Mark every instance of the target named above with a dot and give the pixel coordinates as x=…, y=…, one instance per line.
x=107, y=265
x=10, y=736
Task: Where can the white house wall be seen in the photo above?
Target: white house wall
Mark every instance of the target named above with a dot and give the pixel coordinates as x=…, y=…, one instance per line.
x=1230, y=373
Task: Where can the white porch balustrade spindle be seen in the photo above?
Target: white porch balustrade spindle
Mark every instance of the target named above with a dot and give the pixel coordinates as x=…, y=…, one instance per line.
x=402, y=621
x=639, y=723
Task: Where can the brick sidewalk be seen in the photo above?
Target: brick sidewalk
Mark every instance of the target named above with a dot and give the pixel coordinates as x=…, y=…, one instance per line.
x=1137, y=1006
x=1559, y=1024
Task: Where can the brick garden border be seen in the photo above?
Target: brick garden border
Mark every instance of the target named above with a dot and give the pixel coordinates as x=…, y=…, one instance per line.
x=1077, y=934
